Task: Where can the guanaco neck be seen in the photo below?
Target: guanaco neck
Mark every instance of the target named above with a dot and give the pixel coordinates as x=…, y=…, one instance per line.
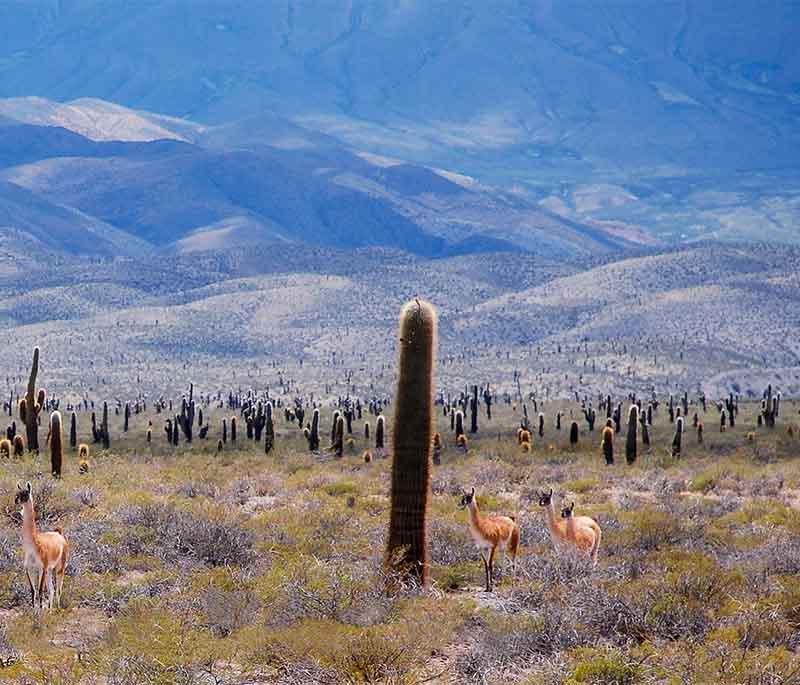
x=475, y=514
x=28, y=522
x=552, y=521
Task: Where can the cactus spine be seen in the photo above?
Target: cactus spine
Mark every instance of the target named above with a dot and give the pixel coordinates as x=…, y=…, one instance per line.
x=56, y=446
x=407, y=549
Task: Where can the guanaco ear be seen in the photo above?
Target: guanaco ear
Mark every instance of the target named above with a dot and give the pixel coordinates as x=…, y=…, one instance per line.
x=19, y=485
x=551, y=492
x=28, y=485
x=472, y=494
x=572, y=507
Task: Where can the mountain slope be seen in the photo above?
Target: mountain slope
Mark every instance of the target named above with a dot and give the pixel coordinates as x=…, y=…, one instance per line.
x=545, y=83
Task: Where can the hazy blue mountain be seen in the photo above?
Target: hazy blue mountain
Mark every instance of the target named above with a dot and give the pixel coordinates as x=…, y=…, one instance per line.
x=533, y=86
x=171, y=194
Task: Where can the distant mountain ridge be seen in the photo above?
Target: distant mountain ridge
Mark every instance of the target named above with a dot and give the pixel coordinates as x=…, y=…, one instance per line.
x=178, y=195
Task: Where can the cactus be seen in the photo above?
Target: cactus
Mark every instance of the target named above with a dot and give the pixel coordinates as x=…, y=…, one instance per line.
x=541, y=425
x=313, y=433
x=380, y=430
x=473, y=410
x=630, y=438
x=437, y=448
x=608, y=444
x=366, y=431
x=83, y=451
x=407, y=547
x=700, y=433
x=233, y=429
x=6, y=448
x=104, y=428
x=678, y=438
x=269, y=430
x=573, y=433
x=31, y=406
x=459, y=424
x=338, y=436
x=19, y=446
x=56, y=446
x=73, y=430
x=224, y=431
x=127, y=418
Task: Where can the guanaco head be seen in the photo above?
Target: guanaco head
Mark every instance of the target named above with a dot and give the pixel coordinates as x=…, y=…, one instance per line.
x=545, y=498
x=566, y=512
x=466, y=498
x=23, y=493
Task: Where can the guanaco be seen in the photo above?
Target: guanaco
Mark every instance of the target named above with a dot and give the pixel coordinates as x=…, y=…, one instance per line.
x=490, y=534
x=583, y=532
x=565, y=534
x=46, y=554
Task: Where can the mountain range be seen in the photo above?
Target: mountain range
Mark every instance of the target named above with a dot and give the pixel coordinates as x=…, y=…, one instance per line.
x=561, y=127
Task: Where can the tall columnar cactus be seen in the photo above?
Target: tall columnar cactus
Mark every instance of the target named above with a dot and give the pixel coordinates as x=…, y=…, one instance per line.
x=233, y=429
x=573, y=433
x=541, y=425
x=127, y=418
x=473, y=410
x=677, y=440
x=338, y=436
x=380, y=433
x=630, y=438
x=645, y=429
x=56, y=444
x=269, y=430
x=104, y=428
x=31, y=406
x=333, y=425
x=407, y=548
x=607, y=444
x=459, y=424
x=313, y=433
x=73, y=430
x=769, y=408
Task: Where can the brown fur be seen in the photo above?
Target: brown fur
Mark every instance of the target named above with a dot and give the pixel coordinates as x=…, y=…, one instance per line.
x=45, y=553
x=582, y=532
x=491, y=533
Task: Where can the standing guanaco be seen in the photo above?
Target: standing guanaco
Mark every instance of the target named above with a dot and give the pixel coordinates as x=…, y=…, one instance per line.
x=491, y=533
x=44, y=553
x=582, y=533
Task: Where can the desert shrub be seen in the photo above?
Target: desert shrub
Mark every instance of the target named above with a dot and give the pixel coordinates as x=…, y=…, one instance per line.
x=616, y=618
x=651, y=528
x=226, y=611
x=357, y=596
x=90, y=552
x=508, y=641
x=214, y=541
x=451, y=543
x=604, y=668
x=198, y=488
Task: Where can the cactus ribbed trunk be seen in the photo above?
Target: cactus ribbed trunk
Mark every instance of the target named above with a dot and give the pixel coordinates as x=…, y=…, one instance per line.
x=407, y=548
